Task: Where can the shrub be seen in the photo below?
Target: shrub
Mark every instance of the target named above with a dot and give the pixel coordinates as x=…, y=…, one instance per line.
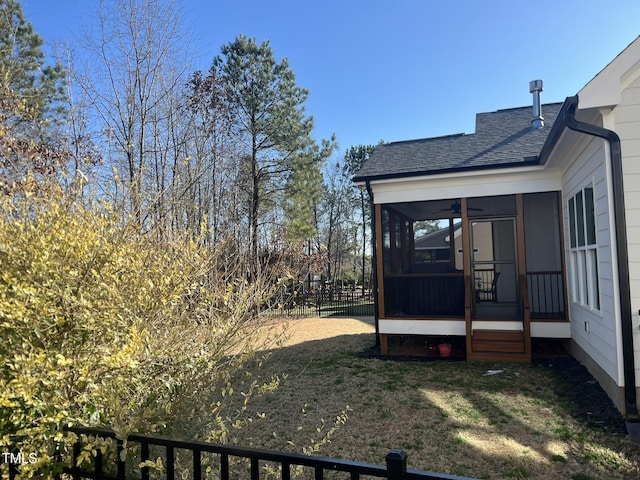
x=104, y=325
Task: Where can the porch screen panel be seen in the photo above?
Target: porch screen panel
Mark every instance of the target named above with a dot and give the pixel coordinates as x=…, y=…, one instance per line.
x=491, y=206
x=543, y=254
x=416, y=286
x=399, y=244
x=386, y=241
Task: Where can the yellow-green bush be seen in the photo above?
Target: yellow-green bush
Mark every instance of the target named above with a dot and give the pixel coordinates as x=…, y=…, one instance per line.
x=101, y=324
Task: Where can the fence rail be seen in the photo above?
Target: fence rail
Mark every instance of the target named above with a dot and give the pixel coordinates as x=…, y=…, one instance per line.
x=323, y=302
x=395, y=468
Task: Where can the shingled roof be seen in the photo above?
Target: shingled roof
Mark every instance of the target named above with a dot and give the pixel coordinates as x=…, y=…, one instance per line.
x=503, y=138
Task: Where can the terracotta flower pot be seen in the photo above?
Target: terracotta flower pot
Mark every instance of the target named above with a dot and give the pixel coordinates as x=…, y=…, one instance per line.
x=445, y=349
x=432, y=351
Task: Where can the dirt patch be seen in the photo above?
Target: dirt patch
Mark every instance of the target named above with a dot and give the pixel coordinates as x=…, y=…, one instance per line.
x=306, y=329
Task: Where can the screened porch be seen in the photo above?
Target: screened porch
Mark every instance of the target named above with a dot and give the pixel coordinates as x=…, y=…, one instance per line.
x=454, y=257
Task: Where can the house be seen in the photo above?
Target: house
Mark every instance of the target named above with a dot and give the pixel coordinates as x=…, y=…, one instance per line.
x=436, y=245
x=544, y=210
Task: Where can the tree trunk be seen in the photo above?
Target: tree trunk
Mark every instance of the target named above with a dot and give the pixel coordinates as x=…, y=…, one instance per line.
x=364, y=240
x=254, y=262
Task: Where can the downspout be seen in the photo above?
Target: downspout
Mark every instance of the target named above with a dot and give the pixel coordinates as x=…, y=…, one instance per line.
x=374, y=264
x=626, y=319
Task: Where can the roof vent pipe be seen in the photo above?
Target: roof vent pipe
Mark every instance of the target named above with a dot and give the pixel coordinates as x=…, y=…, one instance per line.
x=535, y=87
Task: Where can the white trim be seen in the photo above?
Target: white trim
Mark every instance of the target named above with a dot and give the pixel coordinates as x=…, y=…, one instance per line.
x=458, y=174
x=458, y=327
x=496, y=325
x=422, y=327
x=550, y=329
x=613, y=246
x=605, y=89
x=480, y=184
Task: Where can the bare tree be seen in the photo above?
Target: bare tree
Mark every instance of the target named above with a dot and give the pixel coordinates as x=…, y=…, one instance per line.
x=212, y=169
x=335, y=221
x=136, y=67
x=354, y=159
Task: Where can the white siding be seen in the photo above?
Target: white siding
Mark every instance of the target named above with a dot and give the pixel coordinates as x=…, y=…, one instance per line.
x=595, y=332
x=598, y=333
x=627, y=125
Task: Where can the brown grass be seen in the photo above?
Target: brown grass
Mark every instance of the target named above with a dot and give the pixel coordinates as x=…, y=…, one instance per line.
x=448, y=416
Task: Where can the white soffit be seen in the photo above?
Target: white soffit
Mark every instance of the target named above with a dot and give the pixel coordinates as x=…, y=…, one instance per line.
x=468, y=184
x=606, y=87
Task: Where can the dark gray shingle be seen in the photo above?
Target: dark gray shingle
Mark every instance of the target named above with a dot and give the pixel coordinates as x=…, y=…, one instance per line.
x=502, y=138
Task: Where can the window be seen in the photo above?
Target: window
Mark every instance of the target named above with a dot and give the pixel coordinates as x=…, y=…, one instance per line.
x=584, y=250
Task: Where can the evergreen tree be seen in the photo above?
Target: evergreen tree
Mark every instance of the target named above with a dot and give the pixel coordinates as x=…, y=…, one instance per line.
x=22, y=64
x=304, y=191
x=31, y=99
x=281, y=162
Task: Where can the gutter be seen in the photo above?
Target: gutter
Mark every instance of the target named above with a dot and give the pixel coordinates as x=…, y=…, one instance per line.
x=374, y=264
x=626, y=319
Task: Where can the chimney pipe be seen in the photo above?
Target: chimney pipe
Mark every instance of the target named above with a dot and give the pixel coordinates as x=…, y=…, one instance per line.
x=535, y=87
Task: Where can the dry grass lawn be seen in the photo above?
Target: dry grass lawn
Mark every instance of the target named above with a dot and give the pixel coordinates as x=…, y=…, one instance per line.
x=448, y=416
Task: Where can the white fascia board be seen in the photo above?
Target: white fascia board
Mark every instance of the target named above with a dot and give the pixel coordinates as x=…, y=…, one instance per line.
x=422, y=327
x=458, y=327
x=511, y=326
x=551, y=329
x=605, y=89
x=466, y=184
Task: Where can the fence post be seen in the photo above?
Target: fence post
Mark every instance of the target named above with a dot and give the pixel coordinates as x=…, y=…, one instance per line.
x=396, y=464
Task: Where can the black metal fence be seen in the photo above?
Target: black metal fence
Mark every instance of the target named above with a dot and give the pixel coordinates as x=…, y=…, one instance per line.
x=149, y=448
x=326, y=301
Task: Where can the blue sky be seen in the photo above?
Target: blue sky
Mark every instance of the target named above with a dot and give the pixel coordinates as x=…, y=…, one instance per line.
x=404, y=69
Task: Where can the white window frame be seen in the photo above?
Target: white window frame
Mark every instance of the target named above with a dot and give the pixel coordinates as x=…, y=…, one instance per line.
x=583, y=243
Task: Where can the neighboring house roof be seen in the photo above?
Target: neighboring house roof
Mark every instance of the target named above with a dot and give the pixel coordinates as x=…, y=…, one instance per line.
x=436, y=239
x=504, y=138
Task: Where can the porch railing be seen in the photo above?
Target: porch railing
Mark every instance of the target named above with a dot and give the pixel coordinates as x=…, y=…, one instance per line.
x=424, y=294
x=395, y=468
x=546, y=294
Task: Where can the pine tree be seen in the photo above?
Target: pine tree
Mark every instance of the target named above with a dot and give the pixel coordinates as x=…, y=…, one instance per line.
x=22, y=65
x=31, y=99
x=281, y=163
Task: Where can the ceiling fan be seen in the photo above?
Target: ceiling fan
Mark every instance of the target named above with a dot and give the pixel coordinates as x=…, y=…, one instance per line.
x=456, y=208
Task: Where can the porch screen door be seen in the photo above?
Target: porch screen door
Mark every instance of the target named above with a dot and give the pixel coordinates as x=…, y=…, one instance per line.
x=494, y=269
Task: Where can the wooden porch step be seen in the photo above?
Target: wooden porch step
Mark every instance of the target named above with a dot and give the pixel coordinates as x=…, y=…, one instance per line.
x=498, y=345
x=498, y=357
x=502, y=335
